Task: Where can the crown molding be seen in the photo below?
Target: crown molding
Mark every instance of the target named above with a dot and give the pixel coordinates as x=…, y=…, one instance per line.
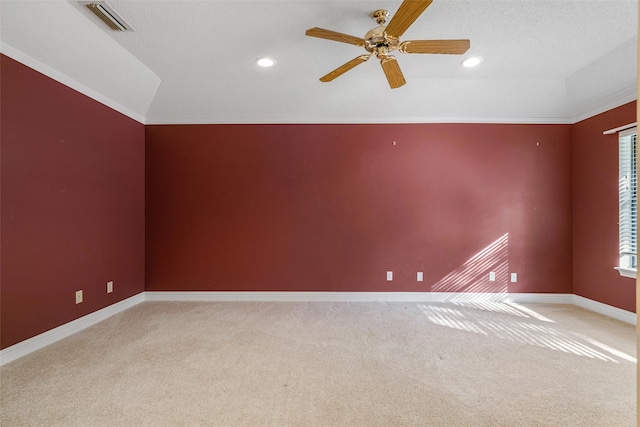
x=64, y=79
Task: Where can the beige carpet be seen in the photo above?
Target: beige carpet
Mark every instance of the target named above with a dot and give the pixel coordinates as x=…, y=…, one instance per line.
x=331, y=364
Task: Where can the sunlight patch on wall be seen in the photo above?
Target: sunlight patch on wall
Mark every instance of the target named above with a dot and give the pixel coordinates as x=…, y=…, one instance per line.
x=473, y=275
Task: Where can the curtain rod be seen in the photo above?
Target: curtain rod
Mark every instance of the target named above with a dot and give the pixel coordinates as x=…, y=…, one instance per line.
x=618, y=129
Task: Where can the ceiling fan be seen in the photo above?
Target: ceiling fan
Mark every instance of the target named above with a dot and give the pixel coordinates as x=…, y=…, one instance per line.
x=382, y=40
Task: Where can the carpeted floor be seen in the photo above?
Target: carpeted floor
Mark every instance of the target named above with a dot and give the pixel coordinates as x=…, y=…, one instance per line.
x=331, y=364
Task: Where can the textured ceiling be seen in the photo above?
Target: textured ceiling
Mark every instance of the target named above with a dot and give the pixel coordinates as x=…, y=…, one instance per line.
x=544, y=61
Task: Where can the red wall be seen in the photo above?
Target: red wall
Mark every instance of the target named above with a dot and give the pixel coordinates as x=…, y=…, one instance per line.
x=72, y=215
x=292, y=207
x=595, y=207
x=333, y=207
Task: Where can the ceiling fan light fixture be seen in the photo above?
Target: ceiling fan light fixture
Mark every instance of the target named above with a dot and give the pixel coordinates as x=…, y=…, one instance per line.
x=265, y=62
x=472, y=61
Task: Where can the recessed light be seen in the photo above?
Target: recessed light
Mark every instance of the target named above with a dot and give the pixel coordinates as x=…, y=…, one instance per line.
x=265, y=62
x=472, y=61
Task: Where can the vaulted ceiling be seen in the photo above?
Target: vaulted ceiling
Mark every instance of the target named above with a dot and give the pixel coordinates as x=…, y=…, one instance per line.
x=194, y=61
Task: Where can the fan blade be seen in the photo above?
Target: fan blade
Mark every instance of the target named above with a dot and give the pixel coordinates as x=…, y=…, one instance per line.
x=344, y=68
x=407, y=13
x=392, y=71
x=454, y=47
x=321, y=33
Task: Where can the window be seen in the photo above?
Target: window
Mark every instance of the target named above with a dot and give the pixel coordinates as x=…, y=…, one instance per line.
x=628, y=198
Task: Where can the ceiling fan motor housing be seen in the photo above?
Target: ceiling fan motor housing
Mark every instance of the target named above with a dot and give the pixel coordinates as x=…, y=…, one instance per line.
x=376, y=41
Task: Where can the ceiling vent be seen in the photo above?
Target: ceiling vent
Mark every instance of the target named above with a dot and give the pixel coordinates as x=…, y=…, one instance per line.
x=109, y=16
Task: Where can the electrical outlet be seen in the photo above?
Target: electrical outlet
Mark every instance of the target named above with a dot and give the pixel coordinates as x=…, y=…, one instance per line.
x=78, y=297
x=492, y=276
x=514, y=277
x=389, y=276
x=420, y=276
x=110, y=286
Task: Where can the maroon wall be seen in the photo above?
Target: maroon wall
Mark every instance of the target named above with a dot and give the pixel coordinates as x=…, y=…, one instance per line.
x=595, y=210
x=292, y=207
x=333, y=207
x=72, y=216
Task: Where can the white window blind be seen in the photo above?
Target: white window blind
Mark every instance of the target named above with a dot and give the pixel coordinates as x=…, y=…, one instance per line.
x=628, y=198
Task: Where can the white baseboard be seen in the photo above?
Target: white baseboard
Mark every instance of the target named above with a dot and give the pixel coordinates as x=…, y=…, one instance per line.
x=25, y=347
x=524, y=298
x=360, y=297
x=32, y=344
x=607, y=310
x=541, y=298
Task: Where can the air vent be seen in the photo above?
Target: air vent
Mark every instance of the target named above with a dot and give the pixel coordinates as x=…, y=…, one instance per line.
x=109, y=16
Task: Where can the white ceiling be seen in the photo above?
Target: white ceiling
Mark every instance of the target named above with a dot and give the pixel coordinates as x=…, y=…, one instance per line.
x=194, y=61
